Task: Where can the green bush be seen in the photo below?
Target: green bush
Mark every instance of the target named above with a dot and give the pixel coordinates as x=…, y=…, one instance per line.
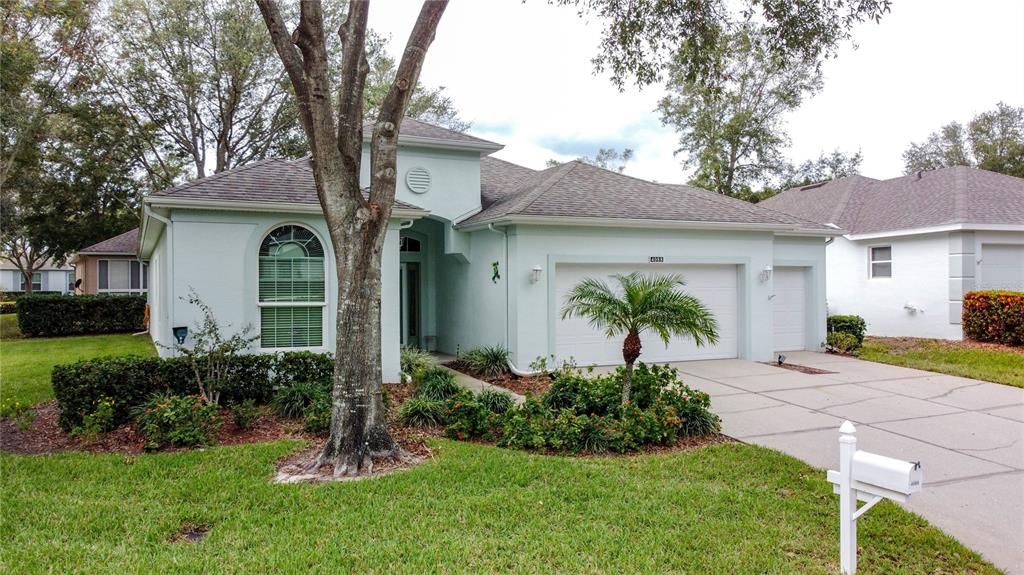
x=840, y=342
x=245, y=414
x=100, y=420
x=488, y=361
x=495, y=401
x=130, y=380
x=422, y=411
x=178, y=421
x=318, y=414
x=467, y=418
x=293, y=400
x=437, y=383
x=11, y=296
x=413, y=359
x=851, y=324
x=304, y=366
x=996, y=316
x=62, y=315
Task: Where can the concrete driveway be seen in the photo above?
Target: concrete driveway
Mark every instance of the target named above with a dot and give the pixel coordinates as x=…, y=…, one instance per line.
x=968, y=434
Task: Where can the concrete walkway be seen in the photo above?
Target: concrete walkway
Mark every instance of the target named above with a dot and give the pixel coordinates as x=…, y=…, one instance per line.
x=471, y=383
x=968, y=434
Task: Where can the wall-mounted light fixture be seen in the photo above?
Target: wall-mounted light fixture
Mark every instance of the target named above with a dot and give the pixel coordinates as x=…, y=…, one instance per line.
x=180, y=333
x=535, y=274
x=766, y=274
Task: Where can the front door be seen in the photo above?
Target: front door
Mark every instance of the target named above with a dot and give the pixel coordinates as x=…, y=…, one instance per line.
x=409, y=284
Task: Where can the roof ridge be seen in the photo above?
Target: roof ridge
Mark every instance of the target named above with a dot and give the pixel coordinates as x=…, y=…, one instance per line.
x=532, y=195
x=749, y=207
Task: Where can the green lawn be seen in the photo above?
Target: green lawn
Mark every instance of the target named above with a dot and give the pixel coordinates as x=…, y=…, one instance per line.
x=954, y=358
x=9, y=326
x=726, y=509
x=25, y=364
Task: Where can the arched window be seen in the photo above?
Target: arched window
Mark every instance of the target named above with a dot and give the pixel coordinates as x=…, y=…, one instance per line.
x=292, y=289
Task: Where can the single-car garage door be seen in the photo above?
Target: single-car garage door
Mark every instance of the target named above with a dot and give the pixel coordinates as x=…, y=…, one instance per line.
x=1002, y=267
x=789, y=309
x=714, y=285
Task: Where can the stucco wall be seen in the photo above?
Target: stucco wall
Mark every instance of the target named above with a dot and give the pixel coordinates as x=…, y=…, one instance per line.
x=920, y=278
x=455, y=180
x=215, y=253
x=534, y=306
x=471, y=309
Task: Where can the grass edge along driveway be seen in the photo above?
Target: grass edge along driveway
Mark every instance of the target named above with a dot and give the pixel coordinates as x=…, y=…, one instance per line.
x=998, y=364
x=730, y=508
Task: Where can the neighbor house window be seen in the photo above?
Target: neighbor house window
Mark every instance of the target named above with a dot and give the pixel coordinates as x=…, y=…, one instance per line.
x=881, y=262
x=71, y=282
x=121, y=277
x=292, y=290
x=37, y=281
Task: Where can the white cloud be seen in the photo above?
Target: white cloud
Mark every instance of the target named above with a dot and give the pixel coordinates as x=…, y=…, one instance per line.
x=522, y=73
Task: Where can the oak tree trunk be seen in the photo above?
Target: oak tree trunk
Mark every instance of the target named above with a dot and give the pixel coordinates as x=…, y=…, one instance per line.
x=358, y=224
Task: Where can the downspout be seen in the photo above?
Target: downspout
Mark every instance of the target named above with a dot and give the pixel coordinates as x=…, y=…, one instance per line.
x=508, y=336
x=169, y=266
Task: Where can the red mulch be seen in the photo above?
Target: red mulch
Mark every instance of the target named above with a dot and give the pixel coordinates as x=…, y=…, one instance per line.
x=533, y=384
x=801, y=368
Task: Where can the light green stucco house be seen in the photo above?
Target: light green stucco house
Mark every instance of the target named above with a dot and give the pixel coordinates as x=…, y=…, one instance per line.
x=480, y=252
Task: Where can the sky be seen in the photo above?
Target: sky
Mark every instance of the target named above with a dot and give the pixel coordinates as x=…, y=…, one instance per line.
x=521, y=73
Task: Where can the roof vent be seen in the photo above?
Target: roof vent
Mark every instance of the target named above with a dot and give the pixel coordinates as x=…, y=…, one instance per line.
x=418, y=180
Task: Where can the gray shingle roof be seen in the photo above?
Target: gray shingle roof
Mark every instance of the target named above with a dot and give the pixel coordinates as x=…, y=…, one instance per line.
x=417, y=129
x=956, y=195
x=498, y=178
x=275, y=181
x=576, y=189
x=126, y=243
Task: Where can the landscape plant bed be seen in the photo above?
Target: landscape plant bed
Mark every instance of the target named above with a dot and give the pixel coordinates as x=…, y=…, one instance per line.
x=533, y=385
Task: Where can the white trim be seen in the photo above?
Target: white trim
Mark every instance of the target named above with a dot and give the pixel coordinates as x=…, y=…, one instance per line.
x=937, y=229
x=276, y=207
x=426, y=142
x=872, y=262
x=324, y=305
x=780, y=229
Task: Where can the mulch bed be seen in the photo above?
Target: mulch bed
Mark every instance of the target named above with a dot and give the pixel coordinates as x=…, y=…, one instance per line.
x=533, y=384
x=801, y=368
x=898, y=344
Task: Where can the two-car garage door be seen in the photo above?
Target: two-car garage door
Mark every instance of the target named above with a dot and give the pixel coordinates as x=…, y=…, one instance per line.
x=714, y=285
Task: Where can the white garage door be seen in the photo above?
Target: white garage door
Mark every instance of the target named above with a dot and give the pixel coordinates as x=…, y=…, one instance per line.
x=714, y=285
x=1002, y=267
x=789, y=308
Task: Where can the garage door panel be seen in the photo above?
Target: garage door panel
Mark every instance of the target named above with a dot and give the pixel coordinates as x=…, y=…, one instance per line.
x=1002, y=267
x=714, y=285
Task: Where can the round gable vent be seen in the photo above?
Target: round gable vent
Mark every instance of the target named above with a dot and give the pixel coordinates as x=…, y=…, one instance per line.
x=418, y=180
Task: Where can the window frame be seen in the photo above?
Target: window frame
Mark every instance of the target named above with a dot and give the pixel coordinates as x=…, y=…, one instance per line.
x=872, y=261
x=142, y=277
x=325, y=307
x=35, y=274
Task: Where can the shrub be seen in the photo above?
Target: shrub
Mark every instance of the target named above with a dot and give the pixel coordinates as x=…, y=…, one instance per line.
x=851, y=324
x=525, y=426
x=178, y=421
x=304, y=366
x=293, y=400
x=414, y=359
x=995, y=316
x=61, y=315
x=8, y=307
x=21, y=413
x=437, y=383
x=100, y=420
x=840, y=342
x=495, y=401
x=245, y=414
x=318, y=414
x=11, y=296
x=422, y=411
x=130, y=380
x=488, y=361
x=467, y=418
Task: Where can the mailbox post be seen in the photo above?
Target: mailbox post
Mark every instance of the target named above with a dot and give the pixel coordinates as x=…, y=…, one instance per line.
x=870, y=478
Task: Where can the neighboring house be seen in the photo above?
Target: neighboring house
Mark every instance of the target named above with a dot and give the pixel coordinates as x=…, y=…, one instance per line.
x=915, y=244
x=50, y=278
x=481, y=252
x=112, y=266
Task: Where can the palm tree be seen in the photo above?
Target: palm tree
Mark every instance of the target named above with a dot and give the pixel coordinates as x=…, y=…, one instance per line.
x=645, y=303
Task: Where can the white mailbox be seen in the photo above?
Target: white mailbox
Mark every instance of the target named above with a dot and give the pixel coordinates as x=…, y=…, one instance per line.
x=867, y=477
x=887, y=473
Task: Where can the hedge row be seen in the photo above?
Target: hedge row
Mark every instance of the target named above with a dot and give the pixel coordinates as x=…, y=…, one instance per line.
x=130, y=380
x=59, y=315
x=849, y=324
x=13, y=295
x=995, y=316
